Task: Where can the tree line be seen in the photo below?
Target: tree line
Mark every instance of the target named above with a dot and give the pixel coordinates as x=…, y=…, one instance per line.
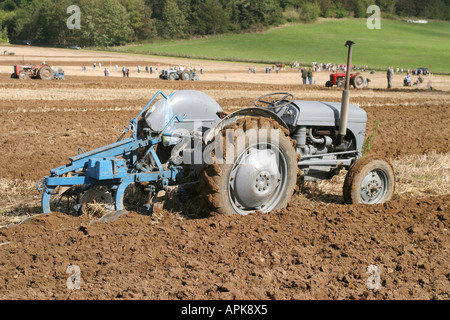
x=118, y=22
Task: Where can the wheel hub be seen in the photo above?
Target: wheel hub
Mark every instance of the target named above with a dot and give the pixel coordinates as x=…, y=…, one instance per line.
x=372, y=187
x=263, y=182
x=254, y=178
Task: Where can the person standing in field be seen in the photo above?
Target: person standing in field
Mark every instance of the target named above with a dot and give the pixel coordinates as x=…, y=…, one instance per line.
x=304, y=75
x=310, y=75
x=390, y=75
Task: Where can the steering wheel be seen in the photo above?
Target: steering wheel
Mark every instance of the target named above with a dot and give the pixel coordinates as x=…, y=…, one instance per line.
x=286, y=98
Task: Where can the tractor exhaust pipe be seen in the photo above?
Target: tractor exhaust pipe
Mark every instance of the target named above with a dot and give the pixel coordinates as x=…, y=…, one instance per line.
x=345, y=101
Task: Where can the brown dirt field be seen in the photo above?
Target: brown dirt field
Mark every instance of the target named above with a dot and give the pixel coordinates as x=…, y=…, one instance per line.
x=317, y=248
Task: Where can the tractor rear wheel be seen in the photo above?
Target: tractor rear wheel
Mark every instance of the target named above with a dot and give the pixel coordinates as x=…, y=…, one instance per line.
x=369, y=180
x=328, y=84
x=358, y=81
x=253, y=168
x=46, y=73
x=185, y=75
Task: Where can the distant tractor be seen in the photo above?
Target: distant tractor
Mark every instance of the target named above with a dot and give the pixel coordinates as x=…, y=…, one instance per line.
x=174, y=74
x=338, y=79
x=26, y=71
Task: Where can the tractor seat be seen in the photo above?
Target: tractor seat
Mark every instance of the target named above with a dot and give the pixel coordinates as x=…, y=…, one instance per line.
x=222, y=114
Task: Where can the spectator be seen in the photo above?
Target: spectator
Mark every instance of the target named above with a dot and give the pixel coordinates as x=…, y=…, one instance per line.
x=407, y=80
x=304, y=75
x=419, y=81
x=128, y=72
x=94, y=65
x=310, y=75
x=139, y=69
x=124, y=71
x=390, y=75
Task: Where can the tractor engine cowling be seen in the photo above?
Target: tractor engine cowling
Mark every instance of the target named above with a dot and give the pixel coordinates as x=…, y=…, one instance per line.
x=200, y=109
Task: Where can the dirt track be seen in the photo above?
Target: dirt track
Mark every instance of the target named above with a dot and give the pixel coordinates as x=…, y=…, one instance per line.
x=312, y=250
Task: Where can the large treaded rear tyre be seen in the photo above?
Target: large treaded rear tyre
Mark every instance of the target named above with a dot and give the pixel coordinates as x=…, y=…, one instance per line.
x=46, y=73
x=185, y=75
x=258, y=174
x=369, y=180
x=358, y=81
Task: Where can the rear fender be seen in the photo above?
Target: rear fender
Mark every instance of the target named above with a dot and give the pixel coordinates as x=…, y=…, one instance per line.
x=231, y=118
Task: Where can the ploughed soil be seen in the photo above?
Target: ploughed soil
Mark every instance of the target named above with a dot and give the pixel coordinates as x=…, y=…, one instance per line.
x=310, y=250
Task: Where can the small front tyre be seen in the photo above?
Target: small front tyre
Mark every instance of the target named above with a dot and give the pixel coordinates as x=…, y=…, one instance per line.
x=369, y=180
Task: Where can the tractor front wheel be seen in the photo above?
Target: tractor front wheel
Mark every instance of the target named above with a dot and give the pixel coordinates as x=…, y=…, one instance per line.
x=254, y=168
x=369, y=180
x=340, y=82
x=23, y=75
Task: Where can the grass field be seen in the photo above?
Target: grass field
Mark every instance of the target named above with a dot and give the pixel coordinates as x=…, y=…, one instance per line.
x=397, y=43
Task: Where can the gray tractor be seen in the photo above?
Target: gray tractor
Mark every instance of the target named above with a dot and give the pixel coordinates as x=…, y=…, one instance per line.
x=249, y=160
x=173, y=74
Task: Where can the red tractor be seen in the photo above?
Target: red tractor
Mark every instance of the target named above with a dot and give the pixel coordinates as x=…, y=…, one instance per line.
x=338, y=79
x=25, y=72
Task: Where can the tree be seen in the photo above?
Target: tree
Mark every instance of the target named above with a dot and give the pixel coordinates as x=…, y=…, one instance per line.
x=360, y=8
x=268, y=12
x=140, y=18
x=309, y=12
x=104, y=23
x=173, y=21
x=216, y=19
